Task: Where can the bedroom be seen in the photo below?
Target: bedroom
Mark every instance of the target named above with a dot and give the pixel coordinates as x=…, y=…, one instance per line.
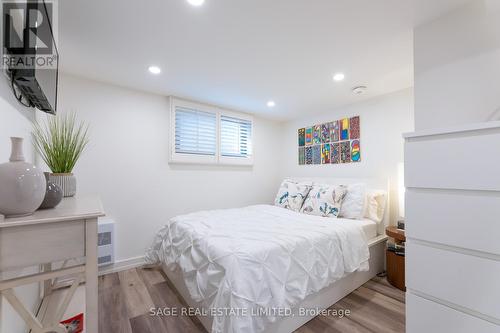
x=413, y=83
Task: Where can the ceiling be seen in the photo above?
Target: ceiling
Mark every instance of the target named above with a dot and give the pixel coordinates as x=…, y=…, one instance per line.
x=241, y=53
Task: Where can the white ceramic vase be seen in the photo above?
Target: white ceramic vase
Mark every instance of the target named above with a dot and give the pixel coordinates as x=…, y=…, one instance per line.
x=22, y=184
x=67, y=182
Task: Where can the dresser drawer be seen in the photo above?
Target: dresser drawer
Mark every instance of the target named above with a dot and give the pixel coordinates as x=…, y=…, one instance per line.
x=430, y=317
x=467, y=219
x=35, y=244
x=454, y=161
x=465, y=280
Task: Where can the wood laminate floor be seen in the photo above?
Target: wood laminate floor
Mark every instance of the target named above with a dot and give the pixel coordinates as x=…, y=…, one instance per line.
x=125, y=299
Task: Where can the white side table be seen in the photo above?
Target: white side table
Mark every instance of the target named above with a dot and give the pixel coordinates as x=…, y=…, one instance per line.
x=66, y=232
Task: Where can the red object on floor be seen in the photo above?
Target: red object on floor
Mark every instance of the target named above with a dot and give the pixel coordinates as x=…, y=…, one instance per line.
x=75, y=324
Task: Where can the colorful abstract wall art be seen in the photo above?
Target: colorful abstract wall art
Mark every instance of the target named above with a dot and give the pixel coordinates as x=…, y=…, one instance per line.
x=325, y=133
x=309, y=136
x=354, y=128
x=335, y=153
x=302, y=137
x=355, y=151
x=334, y=131
x=308, y=155
x=345, y=152
x=316, y=152
x=302, y=156
x=317, y=134
x=344, y=129
x=325, y=154
x=333, y=142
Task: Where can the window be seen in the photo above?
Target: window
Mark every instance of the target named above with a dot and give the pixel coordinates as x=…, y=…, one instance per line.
x=195, y=132
x=235, y=137
x=204, y=134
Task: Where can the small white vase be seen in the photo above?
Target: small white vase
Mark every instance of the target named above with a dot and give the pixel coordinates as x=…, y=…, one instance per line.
x=22, y=184
x=67, y=182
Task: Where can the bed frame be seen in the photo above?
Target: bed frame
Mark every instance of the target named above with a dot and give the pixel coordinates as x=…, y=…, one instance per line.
x=327, y=296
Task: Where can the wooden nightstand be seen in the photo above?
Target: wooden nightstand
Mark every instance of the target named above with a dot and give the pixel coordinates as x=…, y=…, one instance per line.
x=395, y=262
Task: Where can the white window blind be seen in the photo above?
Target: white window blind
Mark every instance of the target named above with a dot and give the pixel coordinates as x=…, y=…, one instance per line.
x=195, y=131
x=235, y=137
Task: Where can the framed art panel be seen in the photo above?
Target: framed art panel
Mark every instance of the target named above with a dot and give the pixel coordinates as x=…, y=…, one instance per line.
x=325, y=133
x=308, y=157
x=335, y=153
x=317, y=134
x=354, y=128
x=316, y=154
x=302, y=137
x=308, y=136
x=345, y=152
x=344, y=129
x=325, y=154
x=302, y=156
x=334, y=131
x=355, y=151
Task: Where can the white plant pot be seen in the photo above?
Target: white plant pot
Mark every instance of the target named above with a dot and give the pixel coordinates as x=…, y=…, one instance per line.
x=67, y=182
x=22, y=184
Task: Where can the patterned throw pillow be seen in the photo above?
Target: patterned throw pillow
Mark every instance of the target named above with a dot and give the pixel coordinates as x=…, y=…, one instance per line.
x=324, y=200
x=291, y=194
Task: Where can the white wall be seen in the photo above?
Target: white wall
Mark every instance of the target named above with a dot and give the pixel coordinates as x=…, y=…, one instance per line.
x=15, y=120
x=127, y=160
x=127, y=163
x=457, y=66
x=383, y=121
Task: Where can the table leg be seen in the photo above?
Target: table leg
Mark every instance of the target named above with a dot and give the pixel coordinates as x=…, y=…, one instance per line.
x=91, y=291
x=31, y=321
x=47, y=284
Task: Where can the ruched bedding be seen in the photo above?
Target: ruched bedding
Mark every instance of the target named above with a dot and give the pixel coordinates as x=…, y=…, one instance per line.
x=257, y=257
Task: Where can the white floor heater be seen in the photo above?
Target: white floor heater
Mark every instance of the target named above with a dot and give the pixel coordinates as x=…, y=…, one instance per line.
x=106, y=241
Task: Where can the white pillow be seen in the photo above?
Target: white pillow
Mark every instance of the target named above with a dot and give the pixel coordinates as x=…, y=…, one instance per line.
x=375, y=205
x=354, y=202
x=291, y=194
x=324, y=200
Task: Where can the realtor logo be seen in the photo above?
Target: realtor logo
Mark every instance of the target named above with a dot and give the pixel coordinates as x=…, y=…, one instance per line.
x=28, y=34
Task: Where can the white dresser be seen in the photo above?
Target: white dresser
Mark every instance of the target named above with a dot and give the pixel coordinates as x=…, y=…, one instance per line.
x=452, y=182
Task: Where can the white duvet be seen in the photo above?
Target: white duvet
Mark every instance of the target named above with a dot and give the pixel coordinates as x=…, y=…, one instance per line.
x=255, y=257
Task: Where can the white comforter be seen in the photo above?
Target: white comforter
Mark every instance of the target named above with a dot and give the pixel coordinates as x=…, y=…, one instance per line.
x=258, y=256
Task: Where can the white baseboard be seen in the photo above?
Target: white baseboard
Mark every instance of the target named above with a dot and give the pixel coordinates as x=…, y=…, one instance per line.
x=122, y=265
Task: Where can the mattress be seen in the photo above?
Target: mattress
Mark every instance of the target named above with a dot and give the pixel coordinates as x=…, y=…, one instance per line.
x=369, y=227
x=258, y=257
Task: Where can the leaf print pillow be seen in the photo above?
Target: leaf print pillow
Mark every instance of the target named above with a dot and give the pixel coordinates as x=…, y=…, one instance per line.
x=324, y=200
x=291, y=194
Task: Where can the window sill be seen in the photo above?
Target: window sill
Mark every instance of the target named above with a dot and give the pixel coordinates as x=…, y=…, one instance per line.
x=223, y=161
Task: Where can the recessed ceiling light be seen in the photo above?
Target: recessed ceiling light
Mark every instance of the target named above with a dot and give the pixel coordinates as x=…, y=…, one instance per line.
x=154, y=69
x=196, y=3
x=271, y=104
x=338, y=77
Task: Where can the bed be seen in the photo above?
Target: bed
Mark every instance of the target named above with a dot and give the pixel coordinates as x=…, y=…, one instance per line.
x=263, y=268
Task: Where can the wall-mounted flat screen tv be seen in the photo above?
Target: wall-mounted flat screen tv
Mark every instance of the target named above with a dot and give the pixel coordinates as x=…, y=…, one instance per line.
x=33, y=59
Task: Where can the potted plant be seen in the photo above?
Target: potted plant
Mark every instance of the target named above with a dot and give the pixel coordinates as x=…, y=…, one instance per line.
x=60, y=142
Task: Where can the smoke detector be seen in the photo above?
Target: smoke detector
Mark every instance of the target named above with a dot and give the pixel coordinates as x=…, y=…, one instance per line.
x=359, y=90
